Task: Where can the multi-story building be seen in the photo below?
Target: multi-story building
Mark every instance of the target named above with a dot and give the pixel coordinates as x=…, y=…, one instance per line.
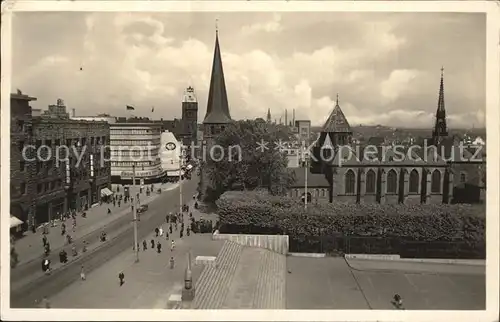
x=22, y=178
x=136, y=143
x=303, y=132
x=170, y=155
x=65, y=163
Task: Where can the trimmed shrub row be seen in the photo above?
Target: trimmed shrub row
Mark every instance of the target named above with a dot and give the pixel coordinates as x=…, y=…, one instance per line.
x=258, y=212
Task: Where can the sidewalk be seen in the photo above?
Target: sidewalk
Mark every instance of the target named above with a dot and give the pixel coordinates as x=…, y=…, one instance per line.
x=148, y=284
x=30, y=247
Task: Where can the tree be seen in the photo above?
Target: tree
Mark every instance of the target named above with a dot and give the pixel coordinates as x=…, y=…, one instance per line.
x=246, y=158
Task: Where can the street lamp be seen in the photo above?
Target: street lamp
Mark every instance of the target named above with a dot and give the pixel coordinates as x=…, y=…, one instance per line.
x=134, y=212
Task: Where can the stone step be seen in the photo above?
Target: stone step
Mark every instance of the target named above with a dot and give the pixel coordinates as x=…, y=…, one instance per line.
x=213, y=276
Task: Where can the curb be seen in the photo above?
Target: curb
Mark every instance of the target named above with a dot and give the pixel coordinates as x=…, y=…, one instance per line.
x=396, y=258
x=310, y=255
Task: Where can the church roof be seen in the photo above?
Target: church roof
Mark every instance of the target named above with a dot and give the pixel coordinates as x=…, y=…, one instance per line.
x=217, y=105
x=337, y=122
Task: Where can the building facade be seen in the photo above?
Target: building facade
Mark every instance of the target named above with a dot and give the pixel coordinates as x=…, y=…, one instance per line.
x=170, y=155
x=65, y=164
x=134, y=143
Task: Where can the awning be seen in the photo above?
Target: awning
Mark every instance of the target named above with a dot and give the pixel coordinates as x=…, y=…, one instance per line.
x=14, y=221
x=106, y=192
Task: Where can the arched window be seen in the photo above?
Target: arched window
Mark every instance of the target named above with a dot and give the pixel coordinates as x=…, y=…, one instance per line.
x=463, y=177
x=392, y=181
x=414, y=178
x=436, y=182
x=371, y=179
x=350, y=182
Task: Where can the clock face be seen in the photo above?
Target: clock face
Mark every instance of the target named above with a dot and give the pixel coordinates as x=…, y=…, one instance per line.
x=170, y=146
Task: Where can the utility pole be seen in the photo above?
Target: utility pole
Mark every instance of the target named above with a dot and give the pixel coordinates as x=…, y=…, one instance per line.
x=180, y=178
x=305, y=175
x=134, y=211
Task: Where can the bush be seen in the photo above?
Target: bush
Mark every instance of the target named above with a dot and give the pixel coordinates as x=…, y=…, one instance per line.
x=255, y=211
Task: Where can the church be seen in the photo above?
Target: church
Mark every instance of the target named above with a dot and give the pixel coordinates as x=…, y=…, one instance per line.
x=439, y=172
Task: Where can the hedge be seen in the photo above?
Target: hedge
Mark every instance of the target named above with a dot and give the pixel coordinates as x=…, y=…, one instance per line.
x=443, y=222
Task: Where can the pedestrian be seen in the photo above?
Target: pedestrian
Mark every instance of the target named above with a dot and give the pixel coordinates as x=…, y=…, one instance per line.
x=172, y=262
x=152, y=243
x=114, y=202
x=172, y=246
x=181, y=233
x=170, y=228
x=63, y=229
x=166, y=235
x=82, y=274
x=109, y=211
x=47, y=249
x=176, y=226
x=74, y=226
x=74, y=251
x=188, y=231
x=44, y=240
x=121, y=277
x=157, y=231
x=119, y=202
x=84, y=248
x=144, y=245
x=161, y=231
x=167, y=218
x=158, y=247
x=45, y=302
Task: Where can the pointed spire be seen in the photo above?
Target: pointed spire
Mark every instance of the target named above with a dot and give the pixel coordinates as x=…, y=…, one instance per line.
x=293, y=117
x=286, y=117
x=440, y=128
x=269, y=115
x=337, y=122
x=217, y=104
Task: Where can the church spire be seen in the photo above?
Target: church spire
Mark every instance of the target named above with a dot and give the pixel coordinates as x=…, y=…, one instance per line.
x=440, y=128
x=269, y=115
x=217, y=104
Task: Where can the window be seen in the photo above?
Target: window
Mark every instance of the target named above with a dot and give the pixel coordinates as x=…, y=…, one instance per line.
x=222, y=128
x=436, y=182
x=414, y=177
x=370, y=181
x=22, y=165
x=22, y=188
x=350, y=183
x=212, y=129
x=392, y=182
x=463, y=177
x=58, y=142
x=68, y=143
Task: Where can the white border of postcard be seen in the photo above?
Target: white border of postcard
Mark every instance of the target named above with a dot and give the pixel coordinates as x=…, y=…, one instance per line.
x=492, y=124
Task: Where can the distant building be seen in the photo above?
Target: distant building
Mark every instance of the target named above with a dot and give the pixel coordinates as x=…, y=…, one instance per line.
x=304, y=131
x=170, y=155
x=135, y=142
x=41, y=188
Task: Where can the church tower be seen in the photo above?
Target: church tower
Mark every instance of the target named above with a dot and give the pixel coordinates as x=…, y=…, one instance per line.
x=335, y=132
x=268, y=115
x=190, y=117
x=440, y=131
x=217, y=116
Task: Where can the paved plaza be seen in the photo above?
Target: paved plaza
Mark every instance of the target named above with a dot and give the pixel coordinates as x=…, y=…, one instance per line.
x=330, y=283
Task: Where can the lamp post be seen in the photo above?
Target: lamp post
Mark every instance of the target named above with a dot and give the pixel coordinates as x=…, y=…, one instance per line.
x=305, y=179
x=180, y=178
x=134, y=212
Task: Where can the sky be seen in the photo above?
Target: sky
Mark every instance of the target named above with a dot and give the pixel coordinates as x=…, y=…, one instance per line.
x=385, y=67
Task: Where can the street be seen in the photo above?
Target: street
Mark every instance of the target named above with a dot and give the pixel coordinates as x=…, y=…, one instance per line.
x=120, y=238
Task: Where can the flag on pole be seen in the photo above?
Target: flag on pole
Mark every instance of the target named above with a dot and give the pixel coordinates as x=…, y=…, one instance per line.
x=130, y=108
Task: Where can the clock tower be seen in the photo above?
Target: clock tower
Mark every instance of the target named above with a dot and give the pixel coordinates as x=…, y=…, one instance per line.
x=189, y=118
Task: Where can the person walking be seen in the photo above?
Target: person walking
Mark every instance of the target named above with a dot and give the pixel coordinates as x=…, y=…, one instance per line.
x=44, y=240
x=172, y=262
x=153, y=244
x=172, y=246
x=82, y=274
x=121, y=277
x=158, y=247
x=170, y=228
x=144, y=245
x=161, y=231
x=166, y=235
x=157, y=231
